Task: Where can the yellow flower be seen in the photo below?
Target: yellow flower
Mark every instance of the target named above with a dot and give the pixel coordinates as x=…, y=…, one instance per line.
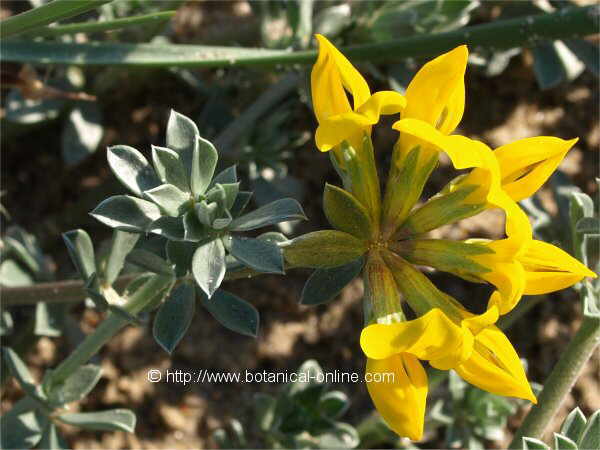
x=332, y=76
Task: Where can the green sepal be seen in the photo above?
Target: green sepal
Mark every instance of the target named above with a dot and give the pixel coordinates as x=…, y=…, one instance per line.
x=448, y=256
x=346, y=213
x=381, y=291
x=404, y=186
x=324, y=249
x=440, y=210
x=324, y=284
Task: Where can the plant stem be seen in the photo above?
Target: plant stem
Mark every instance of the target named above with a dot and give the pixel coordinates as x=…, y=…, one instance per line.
x=46, y=14
x=107, y=329
x=560, y=381
x=500, y=34
x=70, y=291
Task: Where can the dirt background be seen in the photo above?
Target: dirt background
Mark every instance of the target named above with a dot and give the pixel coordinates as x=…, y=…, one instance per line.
x=46, y=198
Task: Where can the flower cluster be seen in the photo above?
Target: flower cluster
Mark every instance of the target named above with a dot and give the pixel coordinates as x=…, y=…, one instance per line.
x=393, y=237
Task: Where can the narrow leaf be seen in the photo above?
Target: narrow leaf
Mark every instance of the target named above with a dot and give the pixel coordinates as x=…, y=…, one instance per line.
x=182, y=136
x=150, y=261
x=21, y=373
x=126, y=213
x=111, y=420
x=81, y=252
x=76, y=386
x=203, y=166
x=278, y=211
x=122, y=243
x=174, y=317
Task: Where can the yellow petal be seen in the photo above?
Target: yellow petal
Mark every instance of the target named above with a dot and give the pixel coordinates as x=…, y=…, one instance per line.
x=349, y=127
x=430, y=337
x=437, y=92
x=331, y=74
x=549, y=268
x=494, y=366
x=526, y=164
x=382, y=102
x=401, y=401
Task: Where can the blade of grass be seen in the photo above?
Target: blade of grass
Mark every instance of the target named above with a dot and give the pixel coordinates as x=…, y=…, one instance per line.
x=108, y=25
x=528, y=30
x=46, y=14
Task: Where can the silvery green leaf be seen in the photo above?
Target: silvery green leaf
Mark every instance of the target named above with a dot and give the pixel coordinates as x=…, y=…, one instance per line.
x=574, y=425
x=81, y=252
x=232, y=312
x=30, y=257
x=182, y=136
x=591, y=434
x=132, y=169
x=340, y=435
x=13, y=275
x=588, y=225
x=122, y=243
x=75, y=387
x=547, y=65
x=264, y=408
x=111, y=420
x=82, y=132
x=206, y=212
x=238, y=431
x=20, y=427
x=171, y=228
x=150, y=261
x=260, y=255
x=208, y=266
x=278, y=211
x=93, y=291
x=29, y=111
x=534, y=444
x=334, y=404
x=51, y=439
x=273, y=236
x=174, y=317
x=223, y=221
x=240, y=203
x=48, y=317
x=203, y=166
x=587, y=52
x=170, y=198
x=315, y=376
x=564, y=443
x=217, y=194
x=324, y=284
x=6, y=323
x=169, y=167
x=227, y=176
x=126, y=213
x=231, y=191
x=21, y=373
x=193, y=229
x=180, y=254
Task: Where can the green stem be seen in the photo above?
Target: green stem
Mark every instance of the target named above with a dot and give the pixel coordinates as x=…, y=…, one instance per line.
x=46, y=14
x=106, y=330
x=108, y=25
x=560, y=381
x=529, y=30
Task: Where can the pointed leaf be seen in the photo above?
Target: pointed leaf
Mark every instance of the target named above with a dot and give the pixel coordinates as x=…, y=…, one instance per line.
x=203, y=166
x=6, y=323
x=132, y=169
x=151, y=262
x=21, y=373
x=345, y=213
x=334, y=404
x=591, y=434
x=193, y=229
x=208, y=266
x=82, y=132
x=172, y=228
x=170, y=198
x=174, y=317
x=574, y=425
x=92, y=289
x=126, y=213
x=111, y=420
x=278, y=211
x=20, y=427
x=260, y=255
x=182, y=136
x=324, y=284
x=122, y=243
x=169, y=167
x=51, y=439
x=241, y=201
x=48, y=319
x=534, y=444
x=181, y=254
x=232, y=312
x=324, y=249
x=81, y=252
x=227, y=176
x=564, y=443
